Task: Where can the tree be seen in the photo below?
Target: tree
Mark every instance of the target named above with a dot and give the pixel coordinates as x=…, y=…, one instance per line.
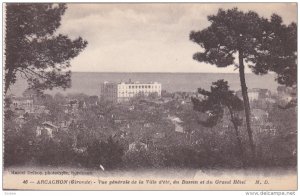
x=30, y=93
x=215, y=101
x=107, y=153
x=34, y=50
x=278, y=53
x=281, y=43
x=255, y=41
x=60, y=98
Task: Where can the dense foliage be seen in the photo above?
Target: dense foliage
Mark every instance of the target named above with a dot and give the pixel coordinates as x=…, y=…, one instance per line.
x=95, y=140
x=264, y=45
x=34, y=49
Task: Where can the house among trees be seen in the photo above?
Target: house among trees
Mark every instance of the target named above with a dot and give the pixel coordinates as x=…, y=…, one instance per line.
x=65, y=123
x=268, y=128
x=255, y=94
x=137, y=146
x=73, y=106
x=20, y=120
x=176, y=121
x=39, y=109
x=286, y=94
x=22, y=103
x=47, y=129
x=261, y=123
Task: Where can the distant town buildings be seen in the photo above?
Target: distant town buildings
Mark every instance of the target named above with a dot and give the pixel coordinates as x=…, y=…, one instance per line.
x=286, y=94
x=47, y=129
x=22, y=103
x=124, y=91
x=176, y=121
x=255, y=94
x=142, y=124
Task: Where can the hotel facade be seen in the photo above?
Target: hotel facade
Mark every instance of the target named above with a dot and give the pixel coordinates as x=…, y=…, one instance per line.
x=124, y=91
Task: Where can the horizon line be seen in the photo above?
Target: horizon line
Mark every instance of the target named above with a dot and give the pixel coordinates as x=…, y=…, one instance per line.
x=167, y=72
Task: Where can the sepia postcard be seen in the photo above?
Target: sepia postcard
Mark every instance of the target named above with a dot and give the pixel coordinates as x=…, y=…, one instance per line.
x=150, y=96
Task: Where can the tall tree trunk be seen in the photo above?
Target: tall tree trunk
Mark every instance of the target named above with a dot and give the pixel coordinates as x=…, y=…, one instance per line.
x=237, y=135
x=8, y=78
x=246, y=102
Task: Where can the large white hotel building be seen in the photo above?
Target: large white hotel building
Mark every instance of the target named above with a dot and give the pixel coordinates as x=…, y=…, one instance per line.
x=124, y=91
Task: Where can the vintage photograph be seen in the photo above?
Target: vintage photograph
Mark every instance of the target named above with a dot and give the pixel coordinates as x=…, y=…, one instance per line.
x=150, y=96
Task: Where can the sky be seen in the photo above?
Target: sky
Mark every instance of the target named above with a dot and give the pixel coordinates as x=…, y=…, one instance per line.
x=149, y=37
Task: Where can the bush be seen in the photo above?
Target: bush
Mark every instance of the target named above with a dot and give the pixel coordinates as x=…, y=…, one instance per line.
x=144, y=158
x=107, y=153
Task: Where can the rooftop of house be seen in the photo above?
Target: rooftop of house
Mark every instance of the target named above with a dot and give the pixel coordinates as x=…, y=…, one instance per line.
x=47, y=123
x=284, y=89
x=22, y=99
x=175, y=119
x=253, y=90
x=129, y=82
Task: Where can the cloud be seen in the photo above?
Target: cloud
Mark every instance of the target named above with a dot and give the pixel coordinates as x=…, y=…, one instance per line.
x=148, y=37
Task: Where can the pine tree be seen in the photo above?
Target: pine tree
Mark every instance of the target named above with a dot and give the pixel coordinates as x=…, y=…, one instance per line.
x=33, y=48
x=215, y=101
x=264, y=45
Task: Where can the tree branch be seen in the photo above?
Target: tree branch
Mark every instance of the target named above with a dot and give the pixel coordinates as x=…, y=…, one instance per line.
x=23, y=73
x=37, y=74
x=40, y=75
